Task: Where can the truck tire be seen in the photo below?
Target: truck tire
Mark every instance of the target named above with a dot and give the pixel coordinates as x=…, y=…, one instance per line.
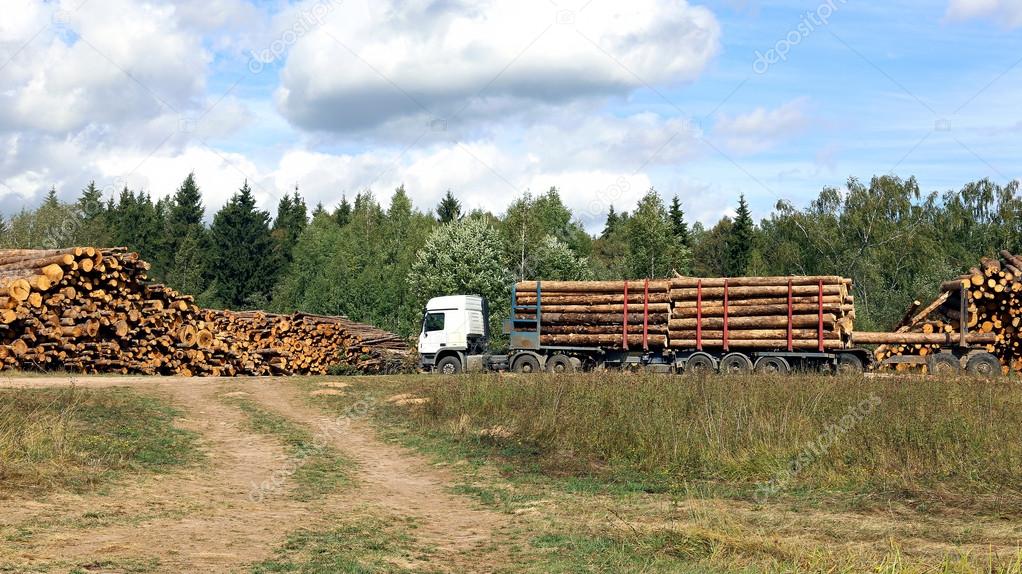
x=735, y=364
x=849, y=364
x=449, y=365
x=772, y=366
x=526, y=364
x=700, y=365
x=983, y=365
x=943, y=364
x=560, y=364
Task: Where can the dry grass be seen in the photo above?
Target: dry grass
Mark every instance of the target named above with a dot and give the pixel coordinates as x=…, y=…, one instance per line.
x=76, y=438
x=950, y=440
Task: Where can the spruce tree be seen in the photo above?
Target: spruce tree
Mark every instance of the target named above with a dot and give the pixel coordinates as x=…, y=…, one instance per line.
x=449, y=209
x=245, y=261
x=611, y=225
x=343, y=212
x=186, y=209
x=292, y=217
x=739, y=244
x=678, y=225
x=93, y=228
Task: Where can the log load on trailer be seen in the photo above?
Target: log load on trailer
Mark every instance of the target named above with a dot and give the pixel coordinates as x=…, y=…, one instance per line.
x=730, y=325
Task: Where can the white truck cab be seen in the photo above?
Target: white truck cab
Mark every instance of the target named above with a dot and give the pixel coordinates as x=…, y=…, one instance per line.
x=453, y=329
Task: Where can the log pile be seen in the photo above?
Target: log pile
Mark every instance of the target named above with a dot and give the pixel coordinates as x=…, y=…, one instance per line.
x=761, y=313
x=93, y=311
x=992, y=293
x=687, y=312
x=631, y=314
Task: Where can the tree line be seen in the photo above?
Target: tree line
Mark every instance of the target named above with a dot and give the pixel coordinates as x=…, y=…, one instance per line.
x=381, y=265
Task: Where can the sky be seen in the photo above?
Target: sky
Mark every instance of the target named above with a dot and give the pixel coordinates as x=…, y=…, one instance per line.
x=492, y=99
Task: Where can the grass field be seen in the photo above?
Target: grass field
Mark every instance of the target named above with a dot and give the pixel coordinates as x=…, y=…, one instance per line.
x=501, y=473
x=79, y=438
x=785, y=474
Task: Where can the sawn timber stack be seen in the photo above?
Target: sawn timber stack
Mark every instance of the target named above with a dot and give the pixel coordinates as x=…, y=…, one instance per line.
x=690, y=312
x=93, y=310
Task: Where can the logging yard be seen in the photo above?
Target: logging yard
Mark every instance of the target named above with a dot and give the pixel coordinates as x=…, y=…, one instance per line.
x=672, y=425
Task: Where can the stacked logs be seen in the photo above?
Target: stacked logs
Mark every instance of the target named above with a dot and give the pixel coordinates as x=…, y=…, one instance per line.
x=991, y=295
x=761, y=312
x=631, y=314
x=93, y=311
x=686, y=312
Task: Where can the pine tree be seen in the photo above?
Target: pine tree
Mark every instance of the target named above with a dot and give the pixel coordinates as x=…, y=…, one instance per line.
x=319, y=211
x=5, y=233
x=343, y=212
x=449, y=209
x=678, y=225
x=739, y=244
x=611, y=226
x=245, y=261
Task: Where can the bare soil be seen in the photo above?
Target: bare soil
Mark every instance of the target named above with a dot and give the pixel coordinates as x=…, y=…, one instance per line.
x=205, y=519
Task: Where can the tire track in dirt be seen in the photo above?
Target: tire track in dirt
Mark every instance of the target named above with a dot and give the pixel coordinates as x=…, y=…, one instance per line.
x=403, y=485
x=203, y=519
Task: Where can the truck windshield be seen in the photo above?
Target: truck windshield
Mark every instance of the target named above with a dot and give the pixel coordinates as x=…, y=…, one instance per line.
x=433, y=322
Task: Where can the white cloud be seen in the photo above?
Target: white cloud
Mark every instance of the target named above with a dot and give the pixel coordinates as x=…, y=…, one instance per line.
x=762, y=129
x=1005, y=12
x=113, y=62
x=438, y=58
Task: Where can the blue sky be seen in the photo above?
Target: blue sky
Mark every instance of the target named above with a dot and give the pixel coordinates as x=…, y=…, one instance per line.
x=495, y=98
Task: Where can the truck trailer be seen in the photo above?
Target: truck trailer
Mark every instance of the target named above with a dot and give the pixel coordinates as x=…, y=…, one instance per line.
x=685, y=325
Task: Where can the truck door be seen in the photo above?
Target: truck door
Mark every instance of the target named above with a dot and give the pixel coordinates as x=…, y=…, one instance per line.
x=434, y=333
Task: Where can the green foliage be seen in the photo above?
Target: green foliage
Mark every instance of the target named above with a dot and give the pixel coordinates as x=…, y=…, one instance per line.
x=449, y=209
x=354, y=269
x=739, y=245
x=343, y=212
x=528, y=222
x=292, y=217
x=245, y=260
x=611, y=225
x=654, y=249
x=678, y=225
x=463, y=257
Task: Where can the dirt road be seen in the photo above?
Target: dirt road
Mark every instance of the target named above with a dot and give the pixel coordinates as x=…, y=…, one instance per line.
x=208, y=520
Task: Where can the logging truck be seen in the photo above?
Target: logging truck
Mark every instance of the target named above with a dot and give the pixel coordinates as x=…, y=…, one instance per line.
x=686, y=325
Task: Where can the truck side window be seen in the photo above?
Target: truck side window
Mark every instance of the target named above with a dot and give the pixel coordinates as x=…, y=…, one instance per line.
x=434, y=322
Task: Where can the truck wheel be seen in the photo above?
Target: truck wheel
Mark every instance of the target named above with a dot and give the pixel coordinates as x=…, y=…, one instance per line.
x=848, y=364
x=526, y=364
x=943, y=364
x=449, y=365
x=699, y=365
x=560, y=364
x=772, y=366
x=983, y=365
x=735, y=364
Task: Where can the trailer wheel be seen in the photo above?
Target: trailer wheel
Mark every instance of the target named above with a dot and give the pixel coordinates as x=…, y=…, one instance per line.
x=849, y=364
x=526, y=364
x=772, y=366
x=735, y=364
x=943, y=364
x=983, y=365
x=449, y=365
x=700, y=364
x=560, y=364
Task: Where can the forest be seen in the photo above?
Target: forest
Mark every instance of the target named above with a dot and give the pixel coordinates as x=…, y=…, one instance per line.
x=379, y=265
